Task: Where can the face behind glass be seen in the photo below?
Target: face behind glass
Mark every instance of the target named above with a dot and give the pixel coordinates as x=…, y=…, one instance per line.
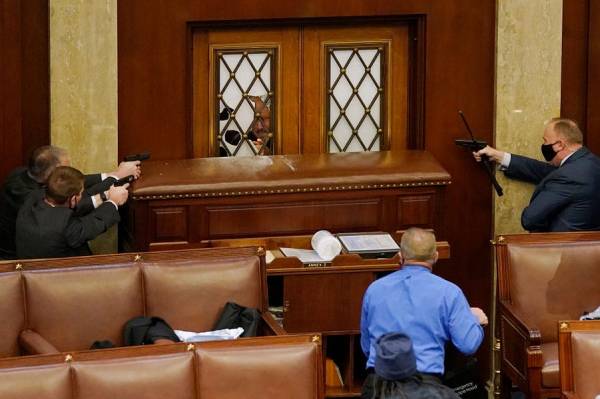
x=262, y=122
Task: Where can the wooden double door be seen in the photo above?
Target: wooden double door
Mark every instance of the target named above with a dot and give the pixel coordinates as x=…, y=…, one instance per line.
x=300, y=89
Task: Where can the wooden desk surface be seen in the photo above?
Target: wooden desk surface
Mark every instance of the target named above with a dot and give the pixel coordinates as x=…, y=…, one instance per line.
x=287, y=174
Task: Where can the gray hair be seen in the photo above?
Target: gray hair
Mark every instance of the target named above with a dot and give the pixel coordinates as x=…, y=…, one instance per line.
x=43, y=161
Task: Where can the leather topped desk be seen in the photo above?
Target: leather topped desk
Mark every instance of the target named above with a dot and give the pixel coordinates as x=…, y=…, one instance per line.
x=189, y=203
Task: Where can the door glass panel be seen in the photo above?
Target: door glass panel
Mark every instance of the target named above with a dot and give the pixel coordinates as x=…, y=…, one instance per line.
x=355, y=89
x=245, y=101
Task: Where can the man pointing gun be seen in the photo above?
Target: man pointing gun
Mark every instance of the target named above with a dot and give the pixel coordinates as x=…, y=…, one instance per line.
x=567, y=193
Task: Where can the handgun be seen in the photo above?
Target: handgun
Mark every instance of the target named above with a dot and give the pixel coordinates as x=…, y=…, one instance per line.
x=124, y=180
x=137, y=157
x=476, y=145
x=473, y=145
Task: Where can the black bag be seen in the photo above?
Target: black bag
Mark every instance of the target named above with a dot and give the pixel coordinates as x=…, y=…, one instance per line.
x=466, y=381
x=234, y=316
x=105, y=344
x=145, y=330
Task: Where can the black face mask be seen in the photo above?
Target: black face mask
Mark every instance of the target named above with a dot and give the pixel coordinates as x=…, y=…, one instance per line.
x=548, y=152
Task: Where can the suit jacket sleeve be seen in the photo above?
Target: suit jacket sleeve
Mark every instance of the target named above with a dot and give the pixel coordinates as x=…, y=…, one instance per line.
x=91, y=180
x=528, y=169
x=84, y=228
x=546, y=202
x=86, y=205
x=101, y=185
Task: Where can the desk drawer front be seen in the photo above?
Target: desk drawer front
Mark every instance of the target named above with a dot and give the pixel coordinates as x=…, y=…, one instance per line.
x=293, y=218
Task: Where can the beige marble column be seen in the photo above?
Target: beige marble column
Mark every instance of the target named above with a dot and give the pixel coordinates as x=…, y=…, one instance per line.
x=528, y=77
x=83, y=86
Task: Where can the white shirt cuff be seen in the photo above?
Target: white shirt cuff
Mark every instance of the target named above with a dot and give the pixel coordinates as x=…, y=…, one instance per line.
x=103, y=176
x=94, y=201
x=505, y=161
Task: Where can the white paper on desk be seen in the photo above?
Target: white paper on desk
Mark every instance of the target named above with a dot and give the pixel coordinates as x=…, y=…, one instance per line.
x=305, y=255
x=225, y=334
x=369, y=242
x=269, y=257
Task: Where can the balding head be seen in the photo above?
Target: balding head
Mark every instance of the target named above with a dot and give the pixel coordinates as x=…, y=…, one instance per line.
x=567, y=130
x=44, y=160
x=418, y=245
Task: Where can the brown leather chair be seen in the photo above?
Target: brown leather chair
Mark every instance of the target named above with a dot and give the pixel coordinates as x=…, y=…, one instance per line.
x=267, y=367
x=579, y=350
x=542, y=278
x=12, y=313
x=66, y=304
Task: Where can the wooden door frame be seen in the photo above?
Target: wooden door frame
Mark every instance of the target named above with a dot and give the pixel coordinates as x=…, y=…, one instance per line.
x=580, y=86
x=416, y=74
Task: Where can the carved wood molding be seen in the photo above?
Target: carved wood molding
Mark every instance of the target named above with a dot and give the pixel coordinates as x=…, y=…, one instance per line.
x=291, y=190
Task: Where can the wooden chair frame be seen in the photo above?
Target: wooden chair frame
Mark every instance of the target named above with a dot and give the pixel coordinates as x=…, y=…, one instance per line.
x=520, y=344
x=565, y=352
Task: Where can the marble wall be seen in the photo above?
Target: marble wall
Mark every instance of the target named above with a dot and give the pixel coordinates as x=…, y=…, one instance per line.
x=83, y=86
x=528, y=77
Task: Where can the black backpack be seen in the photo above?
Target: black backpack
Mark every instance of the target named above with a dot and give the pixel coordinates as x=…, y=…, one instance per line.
x=145, y=330
x=234, y=316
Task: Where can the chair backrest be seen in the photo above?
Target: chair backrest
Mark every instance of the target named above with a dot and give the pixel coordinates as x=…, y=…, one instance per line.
x=547, y=280
x=73, y=307
x=579, y=354
x=268, y=371
x=156, y=377
x=266, y=367
x=12, y=313
x=190, y=294
x=74, y=302
x=51, y=381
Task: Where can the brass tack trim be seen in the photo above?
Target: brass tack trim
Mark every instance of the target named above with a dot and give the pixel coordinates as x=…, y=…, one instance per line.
x=18, y=266
x=137, y=258
x=68, y=358
x=564, y=325
x=190, y=347
x=315, y=338
x=497, y=345
x=297, y=190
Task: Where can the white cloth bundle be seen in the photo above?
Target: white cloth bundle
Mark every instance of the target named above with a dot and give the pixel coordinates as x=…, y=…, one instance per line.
x=225, y=334
x=326, y=245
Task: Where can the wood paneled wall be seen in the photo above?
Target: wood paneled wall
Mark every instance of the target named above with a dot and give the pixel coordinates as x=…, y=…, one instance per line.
x=24, y=81
x=154, y=96
x=581, y=68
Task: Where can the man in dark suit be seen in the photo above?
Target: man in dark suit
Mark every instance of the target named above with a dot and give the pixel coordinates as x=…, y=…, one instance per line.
x=567, y=195
x=22, y=181
x=48, y=226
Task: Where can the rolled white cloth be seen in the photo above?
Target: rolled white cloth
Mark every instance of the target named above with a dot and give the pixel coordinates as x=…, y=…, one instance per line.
x=326, y=245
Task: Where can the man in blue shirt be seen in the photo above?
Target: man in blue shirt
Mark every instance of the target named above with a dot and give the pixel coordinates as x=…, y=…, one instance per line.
x=427, y=308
